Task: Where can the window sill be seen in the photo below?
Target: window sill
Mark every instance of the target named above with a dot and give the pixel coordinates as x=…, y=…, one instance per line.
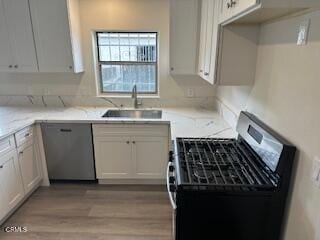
x=127, y=96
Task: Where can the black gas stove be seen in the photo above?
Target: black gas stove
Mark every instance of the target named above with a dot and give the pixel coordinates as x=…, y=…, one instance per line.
x=230, y=188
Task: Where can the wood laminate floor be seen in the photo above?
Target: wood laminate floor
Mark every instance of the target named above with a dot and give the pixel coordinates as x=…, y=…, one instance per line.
x=94, y=212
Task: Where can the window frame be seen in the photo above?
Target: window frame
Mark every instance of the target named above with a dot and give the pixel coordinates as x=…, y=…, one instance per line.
x=100, y=63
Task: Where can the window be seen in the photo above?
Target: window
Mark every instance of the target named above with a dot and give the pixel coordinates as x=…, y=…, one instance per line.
x=127, y=59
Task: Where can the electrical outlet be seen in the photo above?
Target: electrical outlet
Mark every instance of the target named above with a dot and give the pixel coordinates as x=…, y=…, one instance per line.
x=316, y=172
x=303, y=32
x=30, y=91
x=190, y=92
x=47, y=92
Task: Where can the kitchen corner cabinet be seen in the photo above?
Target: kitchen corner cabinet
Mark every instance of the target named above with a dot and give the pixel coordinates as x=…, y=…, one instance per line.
x=131, y=151
x=56, y=29
x=11, y=188
x=17, y=49
x=184, y=16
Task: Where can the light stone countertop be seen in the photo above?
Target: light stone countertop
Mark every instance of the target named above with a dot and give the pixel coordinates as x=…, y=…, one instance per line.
x=184, y=122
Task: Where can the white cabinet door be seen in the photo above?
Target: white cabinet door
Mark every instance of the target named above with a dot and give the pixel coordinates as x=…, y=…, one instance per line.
x=30, y=169
x=203, y=38
x=11, y=179
x=209, y=39
x=150, y=157
x=3, y=200
x=209, y=36
x=6, y=57
x=53, y=38
x=113, y=157
x=183, y=37
x=18, y=20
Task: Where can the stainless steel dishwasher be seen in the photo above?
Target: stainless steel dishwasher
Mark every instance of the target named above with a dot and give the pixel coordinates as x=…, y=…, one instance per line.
x=69, y=151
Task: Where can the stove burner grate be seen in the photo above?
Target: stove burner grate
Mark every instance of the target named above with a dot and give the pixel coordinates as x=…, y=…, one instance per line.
x=220, y=162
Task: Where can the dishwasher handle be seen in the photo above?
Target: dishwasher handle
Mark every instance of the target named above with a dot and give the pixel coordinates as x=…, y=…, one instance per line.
x=65, y=130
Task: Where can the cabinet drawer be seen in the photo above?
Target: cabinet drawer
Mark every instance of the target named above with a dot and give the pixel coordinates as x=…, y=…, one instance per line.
x=7, y=144
x=133, y=129
x=24, y=136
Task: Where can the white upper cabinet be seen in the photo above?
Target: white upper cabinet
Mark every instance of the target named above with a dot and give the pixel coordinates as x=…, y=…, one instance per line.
x=257, y=11
x=183, y=36
x=227, y=55
x=208, y=40
x=17, y=49
x=57, y=35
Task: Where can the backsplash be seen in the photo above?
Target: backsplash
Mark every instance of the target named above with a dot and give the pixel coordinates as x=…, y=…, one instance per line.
x=90, y=101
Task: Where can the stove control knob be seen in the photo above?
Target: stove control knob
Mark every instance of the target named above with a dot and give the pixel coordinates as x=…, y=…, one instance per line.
x=172, y=180
x=171, y=168
x=173, y=188
x=171, y=156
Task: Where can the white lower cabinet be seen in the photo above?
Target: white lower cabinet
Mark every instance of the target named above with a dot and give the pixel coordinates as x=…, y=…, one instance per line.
x=20, y=169
x=131, y=152
x=30, y=170
x=11, y=188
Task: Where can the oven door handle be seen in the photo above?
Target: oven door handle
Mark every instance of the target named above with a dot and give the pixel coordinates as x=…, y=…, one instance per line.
x=172, y=201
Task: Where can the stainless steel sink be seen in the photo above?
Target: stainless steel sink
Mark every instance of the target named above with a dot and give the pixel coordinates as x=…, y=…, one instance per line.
x=142, y=114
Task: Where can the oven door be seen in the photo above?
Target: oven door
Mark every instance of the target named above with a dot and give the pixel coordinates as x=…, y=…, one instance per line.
x=171, y=187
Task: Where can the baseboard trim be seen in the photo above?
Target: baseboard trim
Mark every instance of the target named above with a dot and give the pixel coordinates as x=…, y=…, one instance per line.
x=132, y=181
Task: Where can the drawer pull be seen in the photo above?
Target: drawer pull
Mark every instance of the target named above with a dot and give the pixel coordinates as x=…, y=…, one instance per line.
x=134, y=142
x=1, y=166
x=27, y=135
x=21, y=152
x=127, y=142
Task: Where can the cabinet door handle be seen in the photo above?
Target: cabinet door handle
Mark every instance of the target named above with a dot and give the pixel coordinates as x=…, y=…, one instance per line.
x=127, y=142
x=21, y=152
x=233, y=3
x=206, y=74
x=1, y=166
x=10, y=66
x=16, y=66
x=134, y=142
x=27, y=135
x=229, y=4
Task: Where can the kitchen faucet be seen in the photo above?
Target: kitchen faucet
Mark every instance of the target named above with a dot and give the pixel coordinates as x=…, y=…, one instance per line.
x=136, y=103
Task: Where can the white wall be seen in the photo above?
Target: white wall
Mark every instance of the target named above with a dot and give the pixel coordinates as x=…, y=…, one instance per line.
x=286, y=96
x=81, y=89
